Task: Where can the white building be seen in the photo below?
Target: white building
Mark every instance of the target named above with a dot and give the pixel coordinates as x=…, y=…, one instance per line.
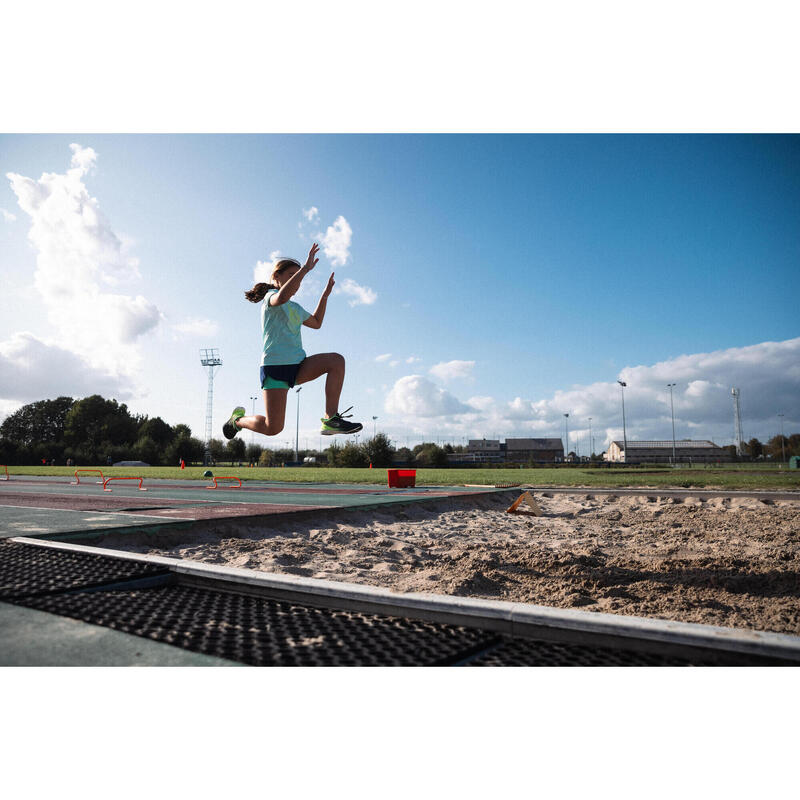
x=686, y=451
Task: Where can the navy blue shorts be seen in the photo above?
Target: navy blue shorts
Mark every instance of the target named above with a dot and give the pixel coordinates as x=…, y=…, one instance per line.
x=279, y=376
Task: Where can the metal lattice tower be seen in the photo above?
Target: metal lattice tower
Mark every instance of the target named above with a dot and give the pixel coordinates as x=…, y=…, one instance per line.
x=211, y=360
x=737, y=422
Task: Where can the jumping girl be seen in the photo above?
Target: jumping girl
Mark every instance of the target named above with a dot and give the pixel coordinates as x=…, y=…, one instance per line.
x=284, y=362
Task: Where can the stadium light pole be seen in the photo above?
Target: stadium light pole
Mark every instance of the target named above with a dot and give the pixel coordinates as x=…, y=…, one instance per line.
x=622, y=386
x=591, y=439
x=373, y=427
x=297, y=429
x=566, y=452
x=783, y=451
x=672, y=410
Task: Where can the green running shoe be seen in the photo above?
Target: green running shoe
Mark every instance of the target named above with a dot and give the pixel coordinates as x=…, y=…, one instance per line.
x=230, y=428
x=338, y=424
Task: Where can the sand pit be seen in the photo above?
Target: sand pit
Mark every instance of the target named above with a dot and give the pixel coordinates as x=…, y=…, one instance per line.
x=731, y=562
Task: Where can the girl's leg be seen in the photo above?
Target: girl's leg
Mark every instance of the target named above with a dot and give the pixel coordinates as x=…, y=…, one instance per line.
x=275, y=406
x=330, y=364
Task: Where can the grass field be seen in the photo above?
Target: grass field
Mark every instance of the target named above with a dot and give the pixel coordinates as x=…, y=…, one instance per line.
x=744, y=478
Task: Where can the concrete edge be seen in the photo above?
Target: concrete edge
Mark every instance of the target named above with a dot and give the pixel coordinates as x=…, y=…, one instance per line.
x=515, y=619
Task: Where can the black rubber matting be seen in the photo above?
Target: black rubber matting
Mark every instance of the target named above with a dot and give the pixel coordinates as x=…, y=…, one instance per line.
x=28, y=570
x=517, y=652
x=264, y=632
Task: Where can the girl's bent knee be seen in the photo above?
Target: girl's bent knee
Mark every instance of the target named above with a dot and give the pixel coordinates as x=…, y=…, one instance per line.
x=273, y=430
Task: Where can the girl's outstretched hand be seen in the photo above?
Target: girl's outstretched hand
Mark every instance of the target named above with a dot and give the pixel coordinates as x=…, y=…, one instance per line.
x=311, y=261
x=329, y=287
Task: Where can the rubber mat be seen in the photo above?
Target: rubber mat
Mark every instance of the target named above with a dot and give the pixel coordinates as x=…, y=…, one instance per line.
x=27, y=570
x=263, y=632
x=537, y=653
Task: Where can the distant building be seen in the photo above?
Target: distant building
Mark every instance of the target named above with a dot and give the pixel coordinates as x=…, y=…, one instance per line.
x=546, y=451
x=686, y=451
x=482, y=450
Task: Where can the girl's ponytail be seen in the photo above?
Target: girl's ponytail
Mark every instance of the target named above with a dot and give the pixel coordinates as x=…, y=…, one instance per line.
x=258, y=292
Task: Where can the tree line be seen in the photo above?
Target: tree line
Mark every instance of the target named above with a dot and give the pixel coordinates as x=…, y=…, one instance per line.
x=94, y=430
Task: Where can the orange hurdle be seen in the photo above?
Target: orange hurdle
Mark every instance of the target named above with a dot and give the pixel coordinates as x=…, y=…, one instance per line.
x=94, y=471
x=226, y=478
x=108, y=480
x=7, y=477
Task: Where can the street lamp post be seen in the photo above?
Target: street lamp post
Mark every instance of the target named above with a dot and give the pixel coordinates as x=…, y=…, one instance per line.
x=373, y=427
x=297, y=429
x=622, y=385
x=783, y=451
x=252, y=433
x=672, y=410
x=591, y=440
x=566, y=452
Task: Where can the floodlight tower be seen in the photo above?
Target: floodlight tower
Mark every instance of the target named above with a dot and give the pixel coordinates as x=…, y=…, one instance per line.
x=737, y=421
x=211, y=360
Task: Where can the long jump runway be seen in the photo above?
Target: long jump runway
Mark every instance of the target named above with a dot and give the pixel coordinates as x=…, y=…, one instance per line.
x=54, y=508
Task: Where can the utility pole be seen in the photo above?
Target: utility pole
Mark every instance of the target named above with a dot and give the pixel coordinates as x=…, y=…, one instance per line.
x=591, y=440
x=672, y=409
x=566, y=452
x=737, y=422
x=622, y=385
x=783, y=451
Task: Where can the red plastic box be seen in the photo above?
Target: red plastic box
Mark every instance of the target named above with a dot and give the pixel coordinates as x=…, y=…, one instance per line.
x=402, y=478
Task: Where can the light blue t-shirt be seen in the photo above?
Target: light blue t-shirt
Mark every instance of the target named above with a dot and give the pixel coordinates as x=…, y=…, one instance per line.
x=280, y=328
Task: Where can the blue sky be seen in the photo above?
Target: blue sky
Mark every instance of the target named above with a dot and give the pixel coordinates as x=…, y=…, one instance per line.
x=523, y=274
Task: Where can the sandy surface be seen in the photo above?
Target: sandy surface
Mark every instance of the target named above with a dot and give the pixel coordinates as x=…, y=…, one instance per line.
x=732, y=562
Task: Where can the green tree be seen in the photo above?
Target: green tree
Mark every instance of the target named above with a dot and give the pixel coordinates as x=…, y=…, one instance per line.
x=267, y=458
x=378, y=451
x=333, y=453
x=754, y=448
x=39, y=422
x=430, y=455
x=404, y=455
x=182, y=431
x=147, y=450
x=351, y=455
x=217, y=447
x=778, y=447
x=94, y=420
x=157, y=430
x=253, y=453
x=235, y=450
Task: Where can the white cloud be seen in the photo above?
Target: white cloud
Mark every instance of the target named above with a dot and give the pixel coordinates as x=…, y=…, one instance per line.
x=450, y=370
x=8, y=216
x=336, y=241
x=393, y=363
x=481, y=403
x=412, y=360
x=362, y=295
x=383, y=357
x=196, y=326
x=31, y=369
x=311, y=214
x=767, y=375
x=417, y=396
x=77, y=255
